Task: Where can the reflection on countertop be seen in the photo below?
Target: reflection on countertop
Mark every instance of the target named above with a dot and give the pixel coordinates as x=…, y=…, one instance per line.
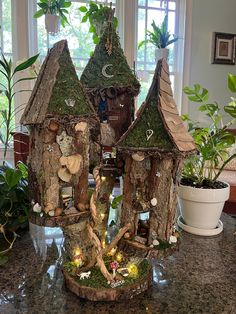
x=200, y=278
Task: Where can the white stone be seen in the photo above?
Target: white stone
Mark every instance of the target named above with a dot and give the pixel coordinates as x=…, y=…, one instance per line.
x=37, y=208
x=155, y=242
x=173, y=239
x=154, y=201
x=51, y=213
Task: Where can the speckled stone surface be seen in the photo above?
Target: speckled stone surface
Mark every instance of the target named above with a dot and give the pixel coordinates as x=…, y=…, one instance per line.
x=200, y=278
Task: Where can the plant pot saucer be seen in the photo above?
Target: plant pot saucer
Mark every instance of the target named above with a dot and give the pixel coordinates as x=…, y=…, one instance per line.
x=201, y=232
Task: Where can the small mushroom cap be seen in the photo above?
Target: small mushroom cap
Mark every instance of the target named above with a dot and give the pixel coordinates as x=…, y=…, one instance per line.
x=138, y=156
x=81, y=127
x=64, y=175
x=73, y=163
x=48, y=207
x=114, y=265
x=58, y=211
x=53, y=126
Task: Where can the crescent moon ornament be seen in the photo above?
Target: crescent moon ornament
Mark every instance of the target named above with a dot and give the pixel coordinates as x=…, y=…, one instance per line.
x=104, y=71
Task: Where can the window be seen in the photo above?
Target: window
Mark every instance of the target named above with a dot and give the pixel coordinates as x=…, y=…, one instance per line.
x=149, y=10
x=79, y=39
x=6, y=49
x=5, y=27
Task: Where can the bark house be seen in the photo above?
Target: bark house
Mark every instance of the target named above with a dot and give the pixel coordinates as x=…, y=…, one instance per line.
x=111, y=86
x=60, y=118
x=153, y=147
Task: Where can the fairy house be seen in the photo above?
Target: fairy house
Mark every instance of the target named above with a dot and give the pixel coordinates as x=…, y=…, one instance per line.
x=153, y=147
x=111, y=86
x=60, y=119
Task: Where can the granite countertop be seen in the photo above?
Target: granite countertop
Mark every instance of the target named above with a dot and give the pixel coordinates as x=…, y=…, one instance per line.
x=200, y=278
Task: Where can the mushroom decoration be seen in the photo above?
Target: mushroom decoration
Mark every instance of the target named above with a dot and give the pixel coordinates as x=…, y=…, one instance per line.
x=114, y=265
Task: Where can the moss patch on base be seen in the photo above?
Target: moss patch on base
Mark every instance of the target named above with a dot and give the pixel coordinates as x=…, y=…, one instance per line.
x=97, y=280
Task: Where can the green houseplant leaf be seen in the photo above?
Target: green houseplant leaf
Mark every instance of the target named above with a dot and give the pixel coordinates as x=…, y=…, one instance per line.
x=212, y=142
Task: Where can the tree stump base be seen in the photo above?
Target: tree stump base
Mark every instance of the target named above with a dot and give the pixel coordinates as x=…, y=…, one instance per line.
x=127, y=292
x=58, y=221
x=136, y=249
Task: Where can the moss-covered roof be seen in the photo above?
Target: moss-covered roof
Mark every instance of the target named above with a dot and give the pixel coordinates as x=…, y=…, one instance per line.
x=57, y=90
x=158, y=125
x=114, y=65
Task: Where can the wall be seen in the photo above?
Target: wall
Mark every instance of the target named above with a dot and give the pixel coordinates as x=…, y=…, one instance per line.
x=208, y=16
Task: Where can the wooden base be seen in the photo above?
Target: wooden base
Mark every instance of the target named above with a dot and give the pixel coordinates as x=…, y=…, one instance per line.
x=58, y=221
x=108, y=294
x=137, y=249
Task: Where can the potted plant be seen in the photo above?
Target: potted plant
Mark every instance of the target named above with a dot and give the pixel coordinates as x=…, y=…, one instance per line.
x=160, y=38
x=201, y=194
x=97, y=15
x=55, y=14
x=9, y=88
x=14, y=204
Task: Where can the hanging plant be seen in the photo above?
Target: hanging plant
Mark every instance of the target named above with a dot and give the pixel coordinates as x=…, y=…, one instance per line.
x=55, y=14
x=98, y=16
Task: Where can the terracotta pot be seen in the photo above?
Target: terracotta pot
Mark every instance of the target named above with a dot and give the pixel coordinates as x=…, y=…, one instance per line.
x=52, y=23
x=202, y=208
x=161, y=53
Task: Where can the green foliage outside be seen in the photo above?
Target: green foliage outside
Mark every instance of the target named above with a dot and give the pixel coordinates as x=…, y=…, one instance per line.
x=212, y=142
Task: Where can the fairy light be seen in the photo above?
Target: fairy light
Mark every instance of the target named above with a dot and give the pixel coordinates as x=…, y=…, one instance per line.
x=103, y=244
x=119, y=257
x=133, y=270
x=103, y=178
x=112, y=252
x=78, y=261
x=77, y=251
x=110, y=197
x=102, y=215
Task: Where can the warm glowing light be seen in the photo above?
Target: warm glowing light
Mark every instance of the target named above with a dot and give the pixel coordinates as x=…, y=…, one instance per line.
x=78, y=262
x=119, y=257
x=77, y=251
x=133, y=270
x=103, y=178
x=103, y=244
x=102, y=215
x=112, y=252
x=110, y=197
x=105, y=233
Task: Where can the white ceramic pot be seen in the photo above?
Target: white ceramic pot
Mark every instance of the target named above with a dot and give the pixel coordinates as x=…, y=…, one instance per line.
x=161, y=53
x=202, y=208
x=52, y=23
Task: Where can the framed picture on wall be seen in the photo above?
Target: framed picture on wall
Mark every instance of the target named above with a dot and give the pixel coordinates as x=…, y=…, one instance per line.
x=223, y=48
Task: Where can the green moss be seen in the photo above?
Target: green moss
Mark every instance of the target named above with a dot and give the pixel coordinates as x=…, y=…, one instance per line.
x=150, y=119
x=123, y=76
x=67, y=86
x=97, y=280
